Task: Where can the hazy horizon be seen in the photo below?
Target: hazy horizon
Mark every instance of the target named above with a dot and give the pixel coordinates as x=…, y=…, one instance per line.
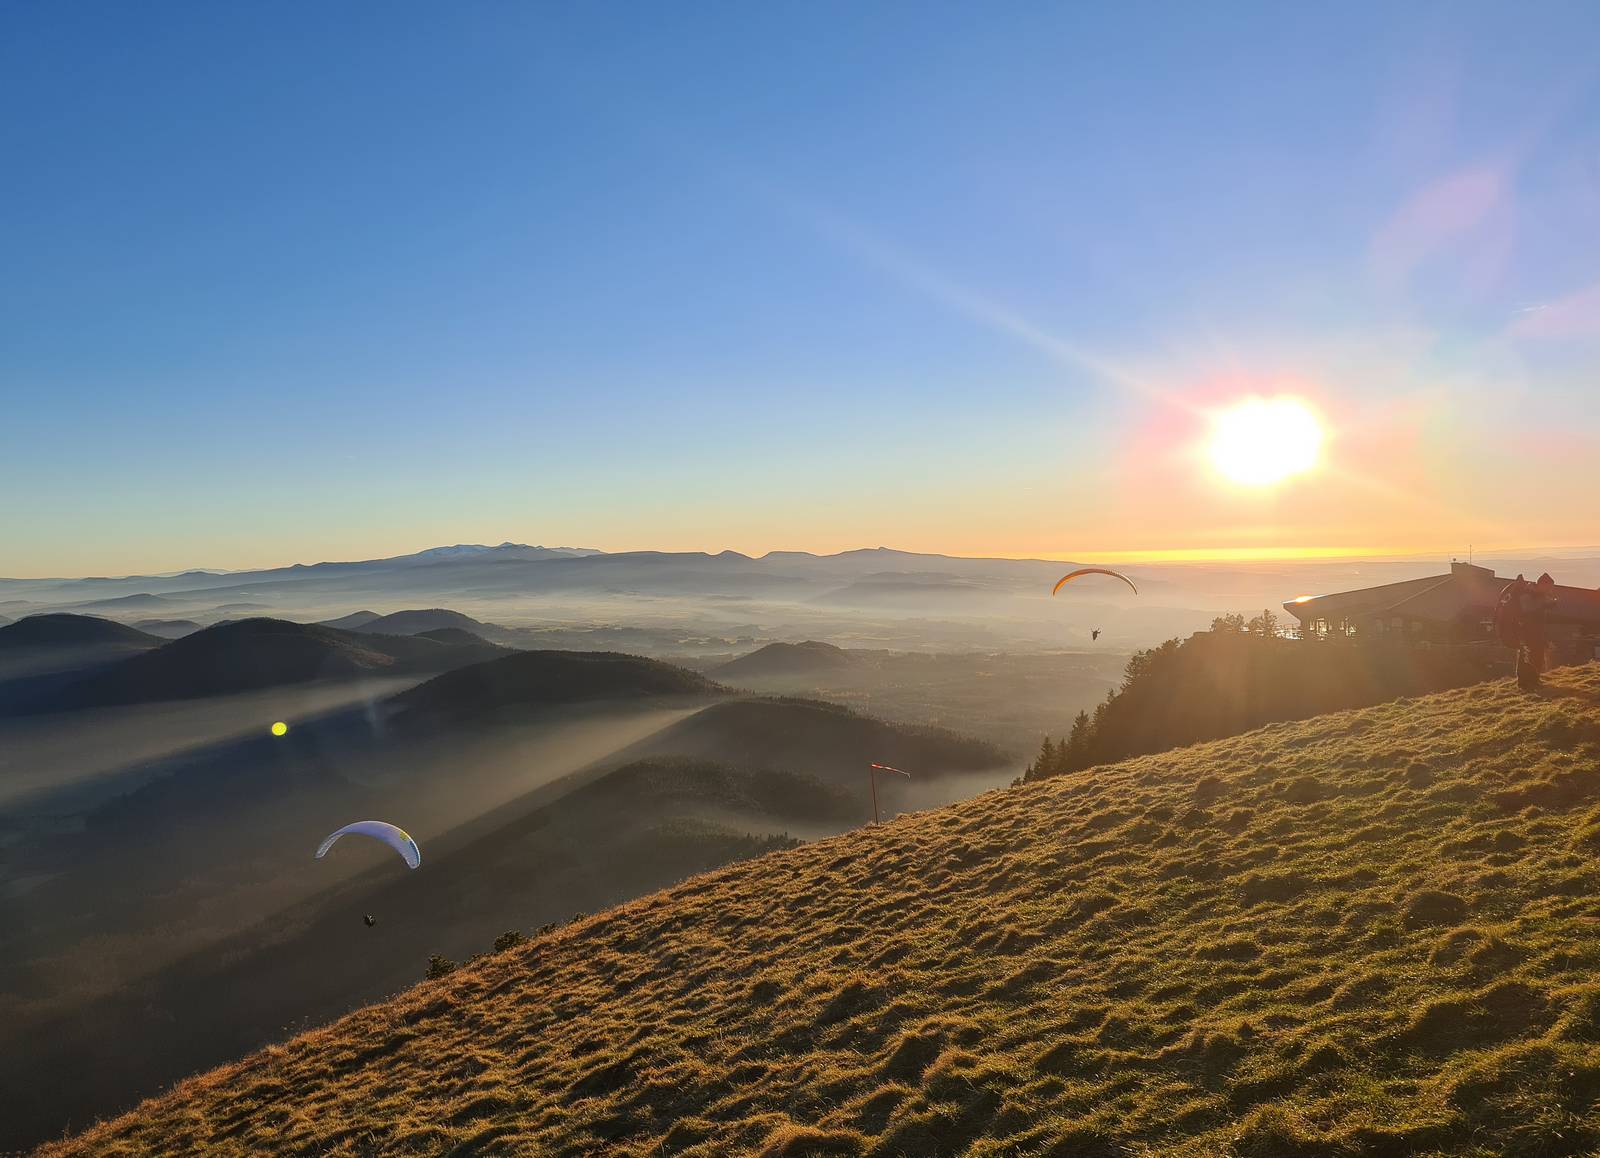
x=1153, y=558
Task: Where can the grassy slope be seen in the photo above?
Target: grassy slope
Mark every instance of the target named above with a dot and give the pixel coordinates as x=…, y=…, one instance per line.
x=1371, y=932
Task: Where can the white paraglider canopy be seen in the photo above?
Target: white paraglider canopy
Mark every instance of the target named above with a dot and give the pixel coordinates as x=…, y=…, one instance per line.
x=396, y=838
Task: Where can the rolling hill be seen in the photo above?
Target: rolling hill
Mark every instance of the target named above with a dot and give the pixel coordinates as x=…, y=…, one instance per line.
x=528, y=681
x=428, y=619
x=139, y=601
x=352, y=622
x=787, y=659
x=42, y=654
x=246, y=654
x=819, y=739
x=60, y=629
x=168, y=628
x=1374, y=932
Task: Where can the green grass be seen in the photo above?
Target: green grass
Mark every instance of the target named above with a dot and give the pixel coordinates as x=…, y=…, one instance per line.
x=1369, y=933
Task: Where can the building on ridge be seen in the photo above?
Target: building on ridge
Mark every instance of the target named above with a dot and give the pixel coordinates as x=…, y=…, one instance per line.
x=1456, y=608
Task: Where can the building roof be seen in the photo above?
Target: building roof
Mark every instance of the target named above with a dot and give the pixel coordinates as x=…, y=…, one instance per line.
x=1365, y=601
x=1466, y=590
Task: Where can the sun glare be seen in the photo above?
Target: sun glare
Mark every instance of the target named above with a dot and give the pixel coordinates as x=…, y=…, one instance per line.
x=1260, y=442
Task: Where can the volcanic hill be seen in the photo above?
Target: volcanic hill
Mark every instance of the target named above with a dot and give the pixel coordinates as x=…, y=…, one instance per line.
x=260, y=653
x=63, y=629
x=783, y=659
x=526, y=681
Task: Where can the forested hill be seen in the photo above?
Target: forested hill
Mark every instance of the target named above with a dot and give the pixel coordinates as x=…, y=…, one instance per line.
x=1241, y=675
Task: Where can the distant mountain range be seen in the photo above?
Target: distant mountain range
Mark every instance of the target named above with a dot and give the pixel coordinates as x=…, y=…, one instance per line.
x=698, y=603
x=504, y=550
x=658, y=602
x=141, y=601
x=512, y=567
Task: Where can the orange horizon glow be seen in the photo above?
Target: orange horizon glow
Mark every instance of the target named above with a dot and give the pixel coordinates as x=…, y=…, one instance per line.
x=1155, y=556
x=1279, y=554
x=1239, y=554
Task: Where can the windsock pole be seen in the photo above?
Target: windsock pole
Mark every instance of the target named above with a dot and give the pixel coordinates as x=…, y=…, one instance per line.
x=872, y=777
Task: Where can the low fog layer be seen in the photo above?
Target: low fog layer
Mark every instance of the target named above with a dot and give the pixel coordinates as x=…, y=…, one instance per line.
x=696, y=604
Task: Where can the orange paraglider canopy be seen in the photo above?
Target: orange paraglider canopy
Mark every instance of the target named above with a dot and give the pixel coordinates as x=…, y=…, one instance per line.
x=1071, y=575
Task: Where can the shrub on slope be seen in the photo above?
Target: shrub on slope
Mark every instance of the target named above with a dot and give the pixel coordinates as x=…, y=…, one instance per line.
x=1371, y=932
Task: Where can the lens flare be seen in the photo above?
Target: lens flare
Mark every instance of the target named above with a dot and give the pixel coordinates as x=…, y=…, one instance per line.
x=1259, y=442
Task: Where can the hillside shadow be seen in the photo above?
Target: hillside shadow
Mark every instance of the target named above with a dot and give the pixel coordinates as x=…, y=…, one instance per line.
x=314, y=960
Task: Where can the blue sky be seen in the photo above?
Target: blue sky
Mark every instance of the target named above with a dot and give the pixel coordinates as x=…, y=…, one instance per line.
x=287, y=282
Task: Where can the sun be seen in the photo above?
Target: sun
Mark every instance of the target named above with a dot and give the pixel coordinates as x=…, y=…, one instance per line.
x=1259, y=442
